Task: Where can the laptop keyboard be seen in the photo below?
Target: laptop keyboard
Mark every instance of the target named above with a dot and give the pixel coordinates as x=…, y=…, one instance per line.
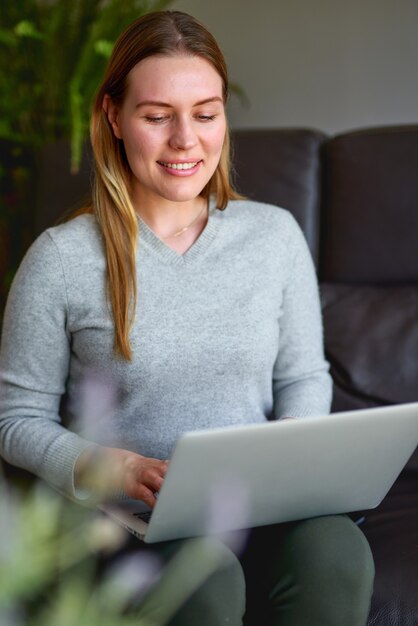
x=145, y=516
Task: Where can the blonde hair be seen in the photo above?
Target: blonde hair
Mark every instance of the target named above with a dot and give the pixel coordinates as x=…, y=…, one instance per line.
x=163, y=33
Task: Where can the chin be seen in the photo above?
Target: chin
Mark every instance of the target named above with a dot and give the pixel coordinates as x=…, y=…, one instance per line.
x=183, y=195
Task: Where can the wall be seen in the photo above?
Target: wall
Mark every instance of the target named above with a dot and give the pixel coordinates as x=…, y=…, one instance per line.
x=327, y=64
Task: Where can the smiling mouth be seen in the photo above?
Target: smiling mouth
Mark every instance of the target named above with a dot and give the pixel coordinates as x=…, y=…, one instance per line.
x=179, y=166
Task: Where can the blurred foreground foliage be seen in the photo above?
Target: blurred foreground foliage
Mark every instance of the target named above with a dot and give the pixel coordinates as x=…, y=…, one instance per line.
x=51, y=566
x=48, y=563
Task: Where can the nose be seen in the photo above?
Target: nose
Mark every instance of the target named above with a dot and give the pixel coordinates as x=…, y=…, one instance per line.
x=183, y=136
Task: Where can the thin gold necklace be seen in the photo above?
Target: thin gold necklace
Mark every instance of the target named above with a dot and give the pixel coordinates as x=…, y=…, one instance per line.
x=185, y=228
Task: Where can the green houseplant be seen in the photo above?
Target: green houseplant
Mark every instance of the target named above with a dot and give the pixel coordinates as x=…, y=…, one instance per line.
x=52, y=56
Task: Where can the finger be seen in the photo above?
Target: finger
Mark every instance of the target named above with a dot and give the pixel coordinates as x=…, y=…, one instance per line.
x=152, y=480
x=160, y=467
x=146, y=495
x=159, y=463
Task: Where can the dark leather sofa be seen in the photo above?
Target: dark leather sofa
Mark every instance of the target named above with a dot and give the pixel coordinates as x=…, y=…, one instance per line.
x=356, y=197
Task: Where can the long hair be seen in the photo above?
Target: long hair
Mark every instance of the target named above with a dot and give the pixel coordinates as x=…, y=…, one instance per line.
x=163, y=33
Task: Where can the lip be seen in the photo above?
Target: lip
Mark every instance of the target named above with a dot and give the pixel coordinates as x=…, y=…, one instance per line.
x=181, y=173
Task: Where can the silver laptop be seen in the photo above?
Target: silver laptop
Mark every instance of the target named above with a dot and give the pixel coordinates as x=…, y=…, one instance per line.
x=244, y=476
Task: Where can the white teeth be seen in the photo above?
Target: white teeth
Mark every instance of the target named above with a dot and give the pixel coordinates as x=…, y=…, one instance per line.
x=180, y=166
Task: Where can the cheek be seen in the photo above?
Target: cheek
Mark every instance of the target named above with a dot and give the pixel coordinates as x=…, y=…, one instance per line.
x=218, y=141
x=139, y=145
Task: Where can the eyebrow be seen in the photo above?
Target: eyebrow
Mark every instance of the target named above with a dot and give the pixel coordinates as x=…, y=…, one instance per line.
x=167, y=105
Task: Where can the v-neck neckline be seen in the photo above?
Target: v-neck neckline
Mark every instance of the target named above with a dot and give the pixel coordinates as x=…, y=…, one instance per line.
x=196, y=250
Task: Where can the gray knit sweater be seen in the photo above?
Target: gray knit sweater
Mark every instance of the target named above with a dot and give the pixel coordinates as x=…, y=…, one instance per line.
x=228, y=333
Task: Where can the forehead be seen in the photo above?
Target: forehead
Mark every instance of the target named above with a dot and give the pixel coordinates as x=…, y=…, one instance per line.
x=163, y=77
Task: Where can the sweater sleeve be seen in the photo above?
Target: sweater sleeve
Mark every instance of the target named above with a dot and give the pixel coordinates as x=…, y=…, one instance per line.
x=34, y=362
x=302, y=385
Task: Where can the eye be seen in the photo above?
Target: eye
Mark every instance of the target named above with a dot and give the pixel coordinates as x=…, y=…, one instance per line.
x=206, y=118
x=156, y=119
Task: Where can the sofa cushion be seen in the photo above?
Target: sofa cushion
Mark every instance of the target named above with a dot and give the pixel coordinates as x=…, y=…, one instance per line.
x=370, y=207
x=371, y=339
x=371, y=342
x=392, y=531
x=282, y=167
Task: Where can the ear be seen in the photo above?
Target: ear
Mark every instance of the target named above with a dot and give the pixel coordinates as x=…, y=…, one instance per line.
x=112, y=113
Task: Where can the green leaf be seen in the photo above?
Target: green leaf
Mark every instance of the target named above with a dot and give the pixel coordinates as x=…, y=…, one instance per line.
x=25, y=28
x=104, y=47
x=241, y=94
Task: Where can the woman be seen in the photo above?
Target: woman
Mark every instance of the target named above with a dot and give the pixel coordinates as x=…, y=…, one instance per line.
x=200, y=307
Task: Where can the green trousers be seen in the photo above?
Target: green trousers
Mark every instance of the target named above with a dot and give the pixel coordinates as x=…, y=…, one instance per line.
x=316, y=572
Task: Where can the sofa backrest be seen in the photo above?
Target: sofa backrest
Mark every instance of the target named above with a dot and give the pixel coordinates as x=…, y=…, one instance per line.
x=370, y=207
x=356, y=198
x=369, y=266
x=282, y=167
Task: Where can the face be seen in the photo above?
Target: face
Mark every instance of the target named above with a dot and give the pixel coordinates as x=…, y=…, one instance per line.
x=173, y=125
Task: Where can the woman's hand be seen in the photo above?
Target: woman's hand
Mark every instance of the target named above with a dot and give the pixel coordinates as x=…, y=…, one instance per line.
x=106, y=470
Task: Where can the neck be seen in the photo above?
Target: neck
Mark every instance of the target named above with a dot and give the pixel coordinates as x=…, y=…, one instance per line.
x=171, y=219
